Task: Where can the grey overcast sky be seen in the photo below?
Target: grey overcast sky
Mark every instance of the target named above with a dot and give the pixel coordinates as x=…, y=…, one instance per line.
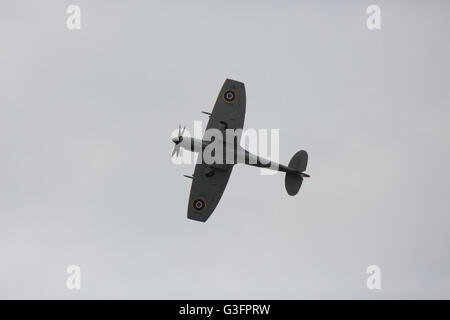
x=85, y=170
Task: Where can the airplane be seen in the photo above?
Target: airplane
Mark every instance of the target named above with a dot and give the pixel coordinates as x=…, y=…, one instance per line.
x=210, y=179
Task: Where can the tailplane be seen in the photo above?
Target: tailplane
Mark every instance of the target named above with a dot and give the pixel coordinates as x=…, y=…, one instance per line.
x=294, y=179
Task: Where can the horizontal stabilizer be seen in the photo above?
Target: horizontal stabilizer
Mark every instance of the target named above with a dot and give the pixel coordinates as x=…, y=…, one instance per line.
x=293, y=180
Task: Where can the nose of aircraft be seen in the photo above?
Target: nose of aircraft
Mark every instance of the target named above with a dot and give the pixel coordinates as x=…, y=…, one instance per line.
x=177, y=140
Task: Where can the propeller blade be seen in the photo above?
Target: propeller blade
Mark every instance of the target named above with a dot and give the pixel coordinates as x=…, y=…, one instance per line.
x=177, y=140
x=174, y=151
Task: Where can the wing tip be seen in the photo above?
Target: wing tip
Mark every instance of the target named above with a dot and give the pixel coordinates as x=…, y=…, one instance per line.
x=235, y=82
x=197, y=217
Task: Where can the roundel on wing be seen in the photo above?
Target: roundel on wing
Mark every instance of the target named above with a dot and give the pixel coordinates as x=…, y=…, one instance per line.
x=229, y=96
x=198, y=204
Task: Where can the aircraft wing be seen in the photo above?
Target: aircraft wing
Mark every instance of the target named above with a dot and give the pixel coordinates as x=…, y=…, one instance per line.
x=209, y=181
x=208, y=185
x=229, y=110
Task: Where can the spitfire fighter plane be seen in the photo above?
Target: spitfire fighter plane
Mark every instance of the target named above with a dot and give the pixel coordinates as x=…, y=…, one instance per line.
x=210, y=178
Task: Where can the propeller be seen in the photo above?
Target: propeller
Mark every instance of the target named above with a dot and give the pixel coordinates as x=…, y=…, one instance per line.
x=177, y=141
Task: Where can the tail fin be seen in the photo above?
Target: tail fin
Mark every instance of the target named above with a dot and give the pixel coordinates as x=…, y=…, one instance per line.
x=293, y=180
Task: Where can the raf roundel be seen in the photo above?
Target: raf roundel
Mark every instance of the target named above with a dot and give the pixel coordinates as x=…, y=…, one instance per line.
x=199, y=204
x=229, y=95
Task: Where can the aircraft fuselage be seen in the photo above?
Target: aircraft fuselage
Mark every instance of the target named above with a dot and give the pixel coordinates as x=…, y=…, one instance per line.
x=232, y=153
